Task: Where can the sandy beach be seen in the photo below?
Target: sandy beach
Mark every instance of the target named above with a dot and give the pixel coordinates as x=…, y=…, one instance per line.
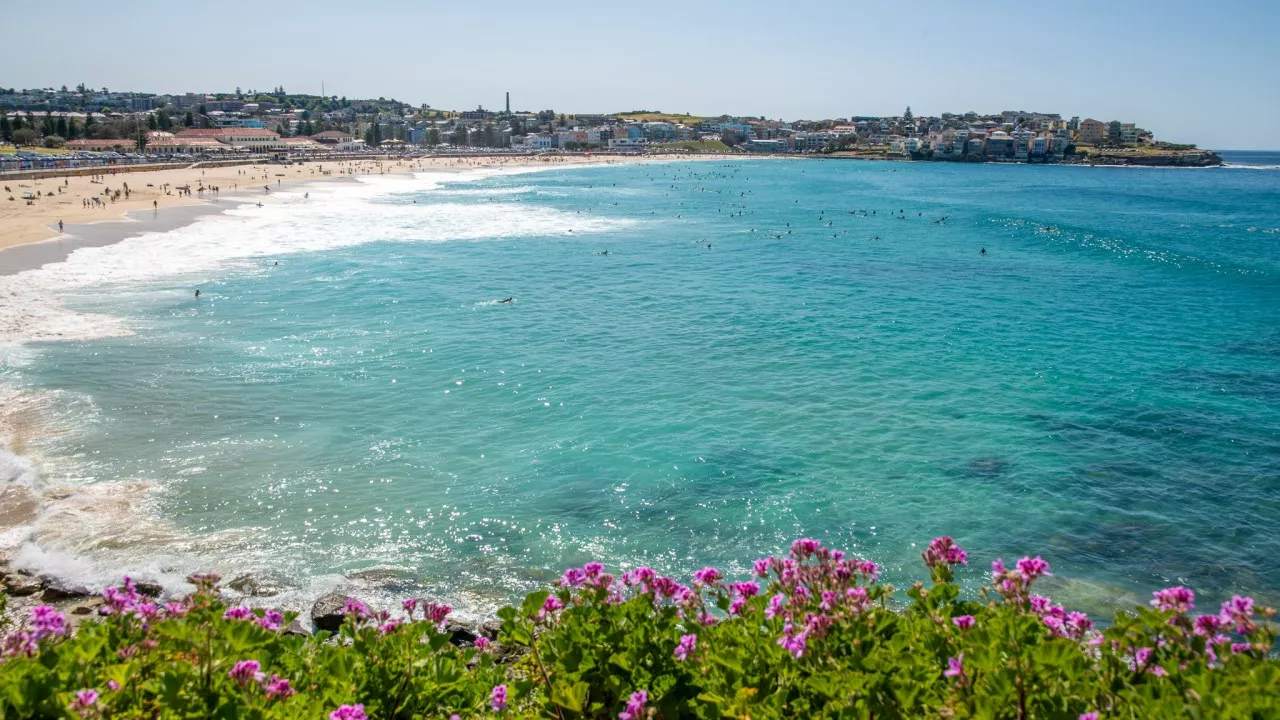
x=70, y=199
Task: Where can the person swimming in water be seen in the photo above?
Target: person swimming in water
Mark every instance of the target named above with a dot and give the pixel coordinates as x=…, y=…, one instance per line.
x=984, y=251
x=505, y=301
x=197, y=292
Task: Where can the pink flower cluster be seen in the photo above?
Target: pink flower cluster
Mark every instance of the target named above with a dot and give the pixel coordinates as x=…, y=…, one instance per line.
x=434, y=613
x=1015, y=585
x=498, y=698
x=635, y=706
x=271, y=620
x=686, y=646
x=275, y=687
x=349, y=712
x=944, y=551
x=86, y=703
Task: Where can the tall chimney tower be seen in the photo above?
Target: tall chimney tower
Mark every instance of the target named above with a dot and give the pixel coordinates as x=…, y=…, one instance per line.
x=508, y=102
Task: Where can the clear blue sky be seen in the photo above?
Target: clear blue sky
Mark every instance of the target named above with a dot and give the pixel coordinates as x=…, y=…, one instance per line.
x=1189, y=70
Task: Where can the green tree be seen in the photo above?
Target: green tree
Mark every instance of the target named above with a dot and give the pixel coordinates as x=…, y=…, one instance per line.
x=25, y=136
x=733, y=138
x=459, y=135
x=54, y=141
x=48, y=126
x=73, y=129
x=162, y=119
x=188, y=120
x=907, y=116
x=433, y=137
x=151, y=122
x=6, y=129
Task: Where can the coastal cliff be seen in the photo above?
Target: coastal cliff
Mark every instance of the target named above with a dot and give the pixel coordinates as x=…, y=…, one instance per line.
x=1182, y=158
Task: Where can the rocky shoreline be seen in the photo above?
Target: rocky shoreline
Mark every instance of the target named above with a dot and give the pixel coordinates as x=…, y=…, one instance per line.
x=79, y=603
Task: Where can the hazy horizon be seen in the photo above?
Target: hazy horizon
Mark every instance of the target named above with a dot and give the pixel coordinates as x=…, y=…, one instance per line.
x=1186, y=72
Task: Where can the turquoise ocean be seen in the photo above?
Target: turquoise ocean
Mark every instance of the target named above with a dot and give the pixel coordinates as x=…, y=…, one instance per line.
x=769, y=349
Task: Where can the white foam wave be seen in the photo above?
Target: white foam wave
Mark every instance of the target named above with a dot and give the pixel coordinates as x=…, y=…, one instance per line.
x=1237, y=166
x=336, y=215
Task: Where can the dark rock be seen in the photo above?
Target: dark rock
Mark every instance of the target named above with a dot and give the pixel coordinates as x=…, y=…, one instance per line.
x=461, y=634
x=490, y=629
x=297, y=628
x=19, y=584
x=326, y=614
x=251, y=585
x=56, y=589
x=149, y=588
x=377, y=575
x=87, y=608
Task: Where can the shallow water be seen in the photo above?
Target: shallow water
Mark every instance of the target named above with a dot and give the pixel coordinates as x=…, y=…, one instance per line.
x=1102, y=386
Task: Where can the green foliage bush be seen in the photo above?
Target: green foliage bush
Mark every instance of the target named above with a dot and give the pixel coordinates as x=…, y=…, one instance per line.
x=814, y=635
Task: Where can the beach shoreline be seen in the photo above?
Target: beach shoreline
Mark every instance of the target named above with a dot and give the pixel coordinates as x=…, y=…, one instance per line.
x=33, y=225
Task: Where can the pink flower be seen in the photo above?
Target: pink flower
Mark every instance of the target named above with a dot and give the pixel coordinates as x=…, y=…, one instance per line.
x=86, y=700
x=237, y=613
x=735, y=607
x=775, y=606
x=1208, y=625
x=349, y=712
x=271, y=620
x=175, y=609
x=356, y=609
x=409, y=605
x=1089, y=716
x=436, y=612
x=112, y=685
x=944, y=551
x=244, y=671
x=1241, y=647
x=1238, y=612
x=1032, y=568
x=955, y=667
x=804, y=547
x=498, y=698
x=746, y=589
x=635, y=706
x=550, y=605
x=47, y=621
x=573, y=577
x=686, y=646
x=761, y=567
x=869, y=569
x=1177, y=599
x=641, y=576
x=706, y=576
x=388, y=627
x=277, y=688
x=483, y=643
x=20, y=643
x=1141, y=658
x=964, y=622
x=204, y=582
x=793, y=642
x=593, y=570
x=1078, y=624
